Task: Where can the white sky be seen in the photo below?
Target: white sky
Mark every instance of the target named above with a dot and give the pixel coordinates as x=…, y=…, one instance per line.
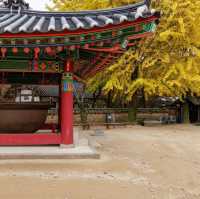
x=37, y=4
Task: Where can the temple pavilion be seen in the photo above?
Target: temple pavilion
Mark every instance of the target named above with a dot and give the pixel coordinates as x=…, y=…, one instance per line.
x=54, y=48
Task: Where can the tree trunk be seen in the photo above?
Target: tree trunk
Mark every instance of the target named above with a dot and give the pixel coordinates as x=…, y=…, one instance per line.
x=84, y=119
x=198, y=119
x=132, y=111
x=109, y=100
x=96, y=96
x=186, y=113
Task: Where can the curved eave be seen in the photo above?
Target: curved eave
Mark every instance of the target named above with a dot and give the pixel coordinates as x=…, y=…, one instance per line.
x=80, y=13
x=31, y=22
x=81, y=31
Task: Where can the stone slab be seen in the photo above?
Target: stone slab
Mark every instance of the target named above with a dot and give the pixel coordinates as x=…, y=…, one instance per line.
x=50, y=152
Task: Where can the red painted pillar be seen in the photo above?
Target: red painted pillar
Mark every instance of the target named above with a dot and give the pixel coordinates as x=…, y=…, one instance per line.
x=67, y=105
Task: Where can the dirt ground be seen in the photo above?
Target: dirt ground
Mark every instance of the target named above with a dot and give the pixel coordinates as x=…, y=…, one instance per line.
x=136, y=163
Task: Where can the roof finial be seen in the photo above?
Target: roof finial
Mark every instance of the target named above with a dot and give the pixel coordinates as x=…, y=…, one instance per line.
x=16, y=4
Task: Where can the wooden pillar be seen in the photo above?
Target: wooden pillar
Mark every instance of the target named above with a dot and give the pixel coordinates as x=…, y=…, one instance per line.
x=67, y=105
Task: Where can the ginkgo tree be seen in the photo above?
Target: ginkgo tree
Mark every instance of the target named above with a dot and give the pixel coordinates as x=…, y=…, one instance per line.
x=167, y=64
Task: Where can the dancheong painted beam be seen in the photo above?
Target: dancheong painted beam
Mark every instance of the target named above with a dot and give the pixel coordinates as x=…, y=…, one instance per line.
x=39, y=47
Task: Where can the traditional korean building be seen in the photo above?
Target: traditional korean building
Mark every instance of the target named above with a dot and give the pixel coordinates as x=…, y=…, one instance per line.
x=53, y=48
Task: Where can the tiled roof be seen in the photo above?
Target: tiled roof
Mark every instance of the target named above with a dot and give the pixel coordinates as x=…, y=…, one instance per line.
x=29, y=21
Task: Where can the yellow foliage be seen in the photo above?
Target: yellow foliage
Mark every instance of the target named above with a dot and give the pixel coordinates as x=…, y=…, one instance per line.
x=166, y=65
x=77, y=5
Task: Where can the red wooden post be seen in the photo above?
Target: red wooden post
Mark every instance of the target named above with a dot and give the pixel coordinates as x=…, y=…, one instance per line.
x=67, y=105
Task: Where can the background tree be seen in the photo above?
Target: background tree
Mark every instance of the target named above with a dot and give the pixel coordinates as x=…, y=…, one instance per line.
x=77, y=5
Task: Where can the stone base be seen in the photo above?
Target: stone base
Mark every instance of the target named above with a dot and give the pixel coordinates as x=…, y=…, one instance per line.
x=65, y=146
x=81, y=152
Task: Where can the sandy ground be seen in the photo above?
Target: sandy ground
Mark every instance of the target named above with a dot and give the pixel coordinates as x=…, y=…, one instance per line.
x=136, y=163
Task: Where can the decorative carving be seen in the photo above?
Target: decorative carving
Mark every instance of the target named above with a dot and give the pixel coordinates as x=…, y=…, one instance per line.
x=67, y=82
x=15, y=4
